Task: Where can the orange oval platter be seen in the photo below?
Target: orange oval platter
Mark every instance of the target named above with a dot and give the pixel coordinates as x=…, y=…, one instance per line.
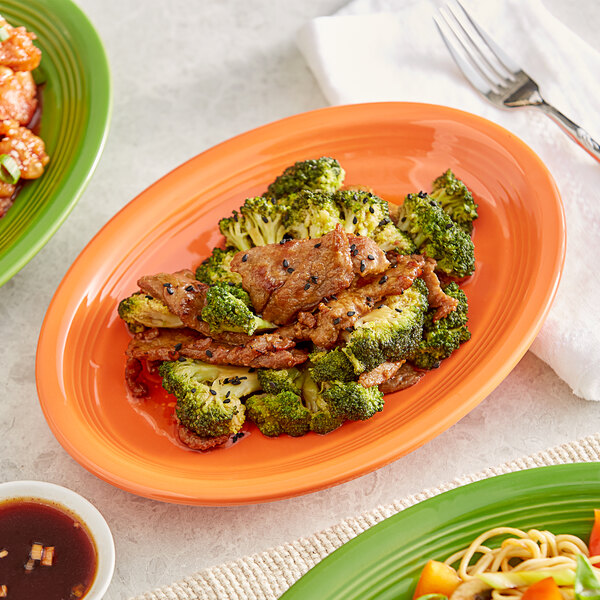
x=394, y=148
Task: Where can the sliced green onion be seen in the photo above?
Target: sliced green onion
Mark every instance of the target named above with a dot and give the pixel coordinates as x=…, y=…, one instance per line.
x=9, y=169
x=4, y=35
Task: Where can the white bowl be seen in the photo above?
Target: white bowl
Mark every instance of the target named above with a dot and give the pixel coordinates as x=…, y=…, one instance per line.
x=87, y=513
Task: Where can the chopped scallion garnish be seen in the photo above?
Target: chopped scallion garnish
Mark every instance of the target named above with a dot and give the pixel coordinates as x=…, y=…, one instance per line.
x=4, y=35
x=9, y=169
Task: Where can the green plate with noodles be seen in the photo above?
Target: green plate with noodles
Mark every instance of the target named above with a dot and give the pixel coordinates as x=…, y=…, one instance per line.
x=76, y=106
x=385, y=562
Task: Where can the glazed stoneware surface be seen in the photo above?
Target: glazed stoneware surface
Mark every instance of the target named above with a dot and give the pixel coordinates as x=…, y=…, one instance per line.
x=76, y=99
x=385, y=562
x=395, y=148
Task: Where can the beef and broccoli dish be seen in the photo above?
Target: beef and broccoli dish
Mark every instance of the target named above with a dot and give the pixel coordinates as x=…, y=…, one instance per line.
x=320, y=300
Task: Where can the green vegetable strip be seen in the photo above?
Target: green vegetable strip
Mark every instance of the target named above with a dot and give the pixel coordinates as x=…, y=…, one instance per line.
x=9, y=169
x=587, y=586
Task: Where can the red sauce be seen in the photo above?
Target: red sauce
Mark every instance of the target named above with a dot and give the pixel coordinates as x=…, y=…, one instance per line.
x=24, y=521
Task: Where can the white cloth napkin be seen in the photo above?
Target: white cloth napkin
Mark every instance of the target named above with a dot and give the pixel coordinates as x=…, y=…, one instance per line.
x=377, y=50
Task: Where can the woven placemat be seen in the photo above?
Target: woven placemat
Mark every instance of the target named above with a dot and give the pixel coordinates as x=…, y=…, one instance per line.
x=267, y=575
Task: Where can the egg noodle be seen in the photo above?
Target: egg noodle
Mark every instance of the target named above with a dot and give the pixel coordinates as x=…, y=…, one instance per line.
x=533, y=550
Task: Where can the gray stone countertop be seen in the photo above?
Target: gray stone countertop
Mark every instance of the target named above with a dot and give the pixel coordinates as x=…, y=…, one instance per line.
x=188, y=74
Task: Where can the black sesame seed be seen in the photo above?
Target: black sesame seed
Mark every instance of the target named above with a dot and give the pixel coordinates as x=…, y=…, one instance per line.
x=208, y=353
x=448, y=225
x=318, y=245
x=355, y=221
x=432, y=203
x=383, y=280
x=325, y=300
x=213, y=392
x=370, y=257
x=265, y=220
x=286, y=264
x=182, y=359
x=333, y=297
x=149, y=297
x=351, y=313
x=354, y=196
x=251, y=370
x=398, y=310
x=354, y=252
x=403, y=219
x=244, y=258
x=170, y=291
x=242, y=377
x=307, y=286
x=281, y=242
x=177, y=347
x=369, y=299
x=352, y=247
x=314, y=278
x=227, y=400
x=290, y=270
x=226, y=380
x=371, y=210
x=349, y=329
x=167, y=285
x=336, y=321
x=365, y=200
x=380, y=306
x=422, y=194
x=363, y=266
x=240, y=435
x=228, y=394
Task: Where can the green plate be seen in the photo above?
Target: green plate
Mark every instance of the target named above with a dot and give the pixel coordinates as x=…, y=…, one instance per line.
x=76, y=106
x=385, y=561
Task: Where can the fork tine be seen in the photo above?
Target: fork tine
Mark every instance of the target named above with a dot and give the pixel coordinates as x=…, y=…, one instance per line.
x=476, y=80
x=496, y=73
x=500, y=55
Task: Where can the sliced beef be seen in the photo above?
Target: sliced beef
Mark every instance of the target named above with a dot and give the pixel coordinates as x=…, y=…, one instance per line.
x=133, y=378
x=269, y=350
x=284, y=279
x=196, y=442
x=405, y=377
x=379, y=374
x=367, y=257
x=344, y=309
x=183, y=295
x=436, y=297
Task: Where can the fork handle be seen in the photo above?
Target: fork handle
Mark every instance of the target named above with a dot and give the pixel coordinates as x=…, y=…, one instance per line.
x=577, y=133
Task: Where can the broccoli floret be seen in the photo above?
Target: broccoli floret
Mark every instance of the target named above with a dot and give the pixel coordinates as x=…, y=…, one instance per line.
x=361, y=212
x=263, y=219
x=208, y=396
x=436, y=235
x=141, y=310
x=226, y=311
x=274, y=381
x=235, y=231
x=217, y=268
x=332, y=365
x=275, y=414
x=390, y=332
x=352, y=401
x=442, y=337
x=321, y=174
x=456, y=200
x=324, y=417
x=310, y=214
x=258, y=223
x=389, y=237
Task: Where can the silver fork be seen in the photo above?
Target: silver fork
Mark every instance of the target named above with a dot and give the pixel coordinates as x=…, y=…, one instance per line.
x=495, y=75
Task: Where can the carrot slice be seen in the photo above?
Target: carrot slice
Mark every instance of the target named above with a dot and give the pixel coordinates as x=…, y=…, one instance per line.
x=546, y=589
x=437, y=578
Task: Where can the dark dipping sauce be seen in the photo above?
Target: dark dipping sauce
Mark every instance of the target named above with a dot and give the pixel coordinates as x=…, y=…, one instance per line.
x=25, y=521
